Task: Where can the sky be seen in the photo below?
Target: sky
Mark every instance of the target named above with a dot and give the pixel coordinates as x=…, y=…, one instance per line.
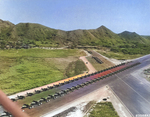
x=117, y=15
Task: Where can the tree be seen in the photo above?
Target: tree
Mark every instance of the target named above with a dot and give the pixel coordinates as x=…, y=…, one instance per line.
x=125, y=51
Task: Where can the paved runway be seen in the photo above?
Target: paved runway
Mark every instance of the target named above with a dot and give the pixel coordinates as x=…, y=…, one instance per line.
x=132, y=91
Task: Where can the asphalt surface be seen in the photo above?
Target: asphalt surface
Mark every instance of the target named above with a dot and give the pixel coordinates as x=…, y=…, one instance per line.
x=132, y=91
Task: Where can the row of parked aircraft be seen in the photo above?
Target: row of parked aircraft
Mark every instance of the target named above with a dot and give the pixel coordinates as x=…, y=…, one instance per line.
x=63, y=92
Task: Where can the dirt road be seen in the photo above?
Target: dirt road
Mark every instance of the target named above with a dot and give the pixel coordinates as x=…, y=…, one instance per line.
x=88, y=65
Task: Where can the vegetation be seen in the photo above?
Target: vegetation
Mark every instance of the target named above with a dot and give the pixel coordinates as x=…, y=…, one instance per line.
x=20, y=67
x=133, y=37
x=28, y=68
x=40, y=53
x=132, y=49
x=75, y=68
x=96, y=65
x=118, y=55
x=147, y=71
x=147, y=74
x=26, y=35
x=103, y=109
x=147, y=37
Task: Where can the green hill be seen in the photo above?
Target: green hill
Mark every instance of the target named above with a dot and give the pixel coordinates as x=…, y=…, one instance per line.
x=147, y=37
x=30, y=34
x=133, y=37
x=5, y=29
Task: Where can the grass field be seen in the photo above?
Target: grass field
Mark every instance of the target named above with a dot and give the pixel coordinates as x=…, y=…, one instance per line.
x=29, y=68
x=119, y=56
x=96, y=65
x=103, y=109
x=40, y=53
x=75, y=68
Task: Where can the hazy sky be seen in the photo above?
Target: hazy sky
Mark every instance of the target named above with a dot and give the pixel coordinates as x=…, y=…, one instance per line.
x=117, y=15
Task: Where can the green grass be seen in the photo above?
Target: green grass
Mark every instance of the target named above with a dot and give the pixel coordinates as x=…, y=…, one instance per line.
x=118, y=55
x=76, y=67
x=27, y=75
x=96, y=65
x=25, y=69
x=40, y=53
x=103, y=109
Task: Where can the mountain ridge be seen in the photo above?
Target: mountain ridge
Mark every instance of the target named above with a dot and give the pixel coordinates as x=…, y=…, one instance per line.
x=16, y=36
